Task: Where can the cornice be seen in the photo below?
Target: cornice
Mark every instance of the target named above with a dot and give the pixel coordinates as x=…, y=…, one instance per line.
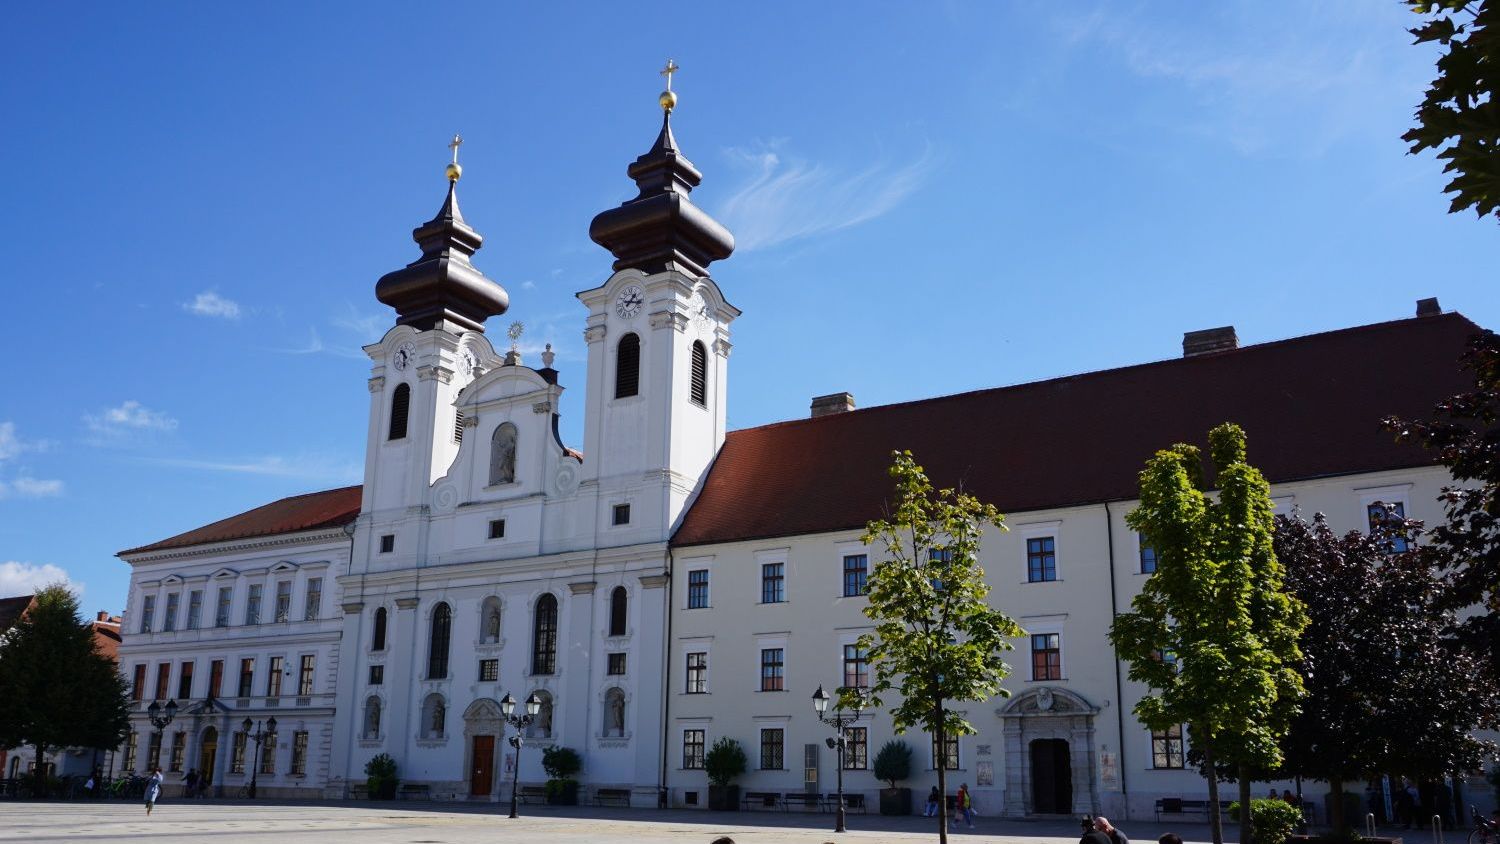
x=235, y=546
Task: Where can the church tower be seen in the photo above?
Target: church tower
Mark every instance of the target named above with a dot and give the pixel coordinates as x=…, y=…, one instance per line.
x=658, y=348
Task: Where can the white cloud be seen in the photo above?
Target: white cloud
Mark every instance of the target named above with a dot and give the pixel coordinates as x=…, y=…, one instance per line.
x=784, y=200
x=25, y=579
x=307, y=467
x=210, y=304
x=26, y=486
x=316, y=346
x=10, y=444
x=528, y=284
x=130, y=414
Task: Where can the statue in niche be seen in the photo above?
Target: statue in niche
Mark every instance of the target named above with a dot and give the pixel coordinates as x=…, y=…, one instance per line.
x=614, y=713
x=503, y=455
x=492, y=625
x=372, y=719
x=542, y=726
x=439, y=716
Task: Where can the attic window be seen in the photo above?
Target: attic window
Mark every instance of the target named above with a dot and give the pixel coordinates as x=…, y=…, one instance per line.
x=698, y=387
x=622, y=514
x=458, y=426
x=388, y=543
x=497, y=528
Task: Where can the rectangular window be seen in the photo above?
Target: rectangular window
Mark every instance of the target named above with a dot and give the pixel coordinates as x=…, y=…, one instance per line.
x=1148, y=557
x=772, y=747
x=489, y=670
x=148, y=612
x=856, y=667
x=698, y=589
x=221, y=611
x=130, y=741
x=237, y=754
x=856, y=570
x=252, y=605
x=856, y=748
x=153, y=751
x=773, y=583
x=772, y=670
x=697, y=673
x=1166, y=747
x=138, y=688
x=692, y=750
x=616, y=664
x=185, y=682
x=1379, y=513
x=179, y=750
x=1041, y=559
x=621, y=514
x=314, y=603
x=387, y=543
x=268, y=755
x=284, y=600
x=299, y=753
x=273, y=678
x=215, y=678
x=1046, y=656
x=377, y=675
x=305, y=674
x=169, y=623
x=163, y=677
x=195, y=609
x=247, y=676
x=497, y=528
x=949, y=754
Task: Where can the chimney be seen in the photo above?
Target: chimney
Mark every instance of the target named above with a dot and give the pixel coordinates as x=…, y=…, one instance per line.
x=102, y=616
x=1209, y=340
x=1428, y=307
x=836, y=403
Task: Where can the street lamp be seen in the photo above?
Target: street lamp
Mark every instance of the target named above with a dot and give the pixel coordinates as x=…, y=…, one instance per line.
x=160, y=717
x=839, y=722
x=258, y=736
x=519, y=722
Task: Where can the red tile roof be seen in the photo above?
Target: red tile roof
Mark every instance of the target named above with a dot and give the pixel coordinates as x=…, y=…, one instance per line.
x=11, y=610
x=1311, y=407
x=314, y=510
x=106, y=638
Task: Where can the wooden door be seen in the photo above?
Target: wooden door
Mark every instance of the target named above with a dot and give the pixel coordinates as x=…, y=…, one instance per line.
x=483, y=778
x=1051, y=777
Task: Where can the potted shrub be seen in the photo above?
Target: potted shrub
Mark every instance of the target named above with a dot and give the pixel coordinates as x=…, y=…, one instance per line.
x=380, y=777
x=561, y=763
x=893, y=764
x=1271, y=821
x=724, y=761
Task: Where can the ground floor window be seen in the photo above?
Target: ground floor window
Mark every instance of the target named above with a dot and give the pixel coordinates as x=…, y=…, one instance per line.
x=1166, y=747
x=947, y=755
x=692, y=750
x=153, y=751
x=179, y=750
x=237, y=754
x=772, y=747
x=130, y=751
x=299, y=753
x=268, y=755
x=856, y=748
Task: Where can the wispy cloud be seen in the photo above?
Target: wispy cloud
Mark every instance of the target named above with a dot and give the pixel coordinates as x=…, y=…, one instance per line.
x=131, y=414
x=359, y=327
x=306, y=467
x=785, y=198
x=211, y=304
x=316, y=346
x=26, y=486
x=17, y=578
x=10, y=444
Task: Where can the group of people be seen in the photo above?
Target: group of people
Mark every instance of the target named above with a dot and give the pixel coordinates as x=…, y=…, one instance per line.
x=963, y=805
x=1099, y=830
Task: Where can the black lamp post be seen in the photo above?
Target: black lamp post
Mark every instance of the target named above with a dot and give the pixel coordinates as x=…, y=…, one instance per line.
x=519, y=722
x=160, y=717
x=258, y=736
x=839, y=721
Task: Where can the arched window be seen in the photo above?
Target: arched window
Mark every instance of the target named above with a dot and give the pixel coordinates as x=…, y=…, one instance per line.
x=541, y=726
x=618, y=604
x=614, y=713
x=628, y=367
x=378, y=641
x=544, y=636
x=503, y=454
x=437, y=651
x=489, y=621
x=698, y=384
x=434, y=716
x=372, y=717
x=400, y=406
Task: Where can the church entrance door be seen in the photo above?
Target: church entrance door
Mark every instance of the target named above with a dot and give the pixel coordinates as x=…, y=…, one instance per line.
x=207, y=752
x=484, y=766
x=1051, y=777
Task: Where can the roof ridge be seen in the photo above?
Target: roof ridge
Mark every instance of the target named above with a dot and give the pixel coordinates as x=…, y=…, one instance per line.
x=1448, y=315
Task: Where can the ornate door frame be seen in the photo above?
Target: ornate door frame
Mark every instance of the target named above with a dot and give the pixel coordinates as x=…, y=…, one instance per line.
x=1048, y=712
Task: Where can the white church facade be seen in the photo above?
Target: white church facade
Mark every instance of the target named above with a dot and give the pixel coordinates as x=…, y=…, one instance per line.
x=672, y=582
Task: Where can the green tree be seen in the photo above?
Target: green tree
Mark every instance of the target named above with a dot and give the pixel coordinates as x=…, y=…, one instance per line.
x=1388, y=691
x=1460, y=115
x=59, y=691
x=935, y=640
x=1212, y=633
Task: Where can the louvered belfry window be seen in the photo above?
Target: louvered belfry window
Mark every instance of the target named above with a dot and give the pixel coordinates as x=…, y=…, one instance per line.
x=458, y=426
x=628, y=367
x=698, y=390
x=400, y=406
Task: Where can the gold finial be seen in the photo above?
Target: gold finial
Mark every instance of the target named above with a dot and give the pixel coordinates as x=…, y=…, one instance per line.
x=517, y=328
x=668, y=99
x=454, y=170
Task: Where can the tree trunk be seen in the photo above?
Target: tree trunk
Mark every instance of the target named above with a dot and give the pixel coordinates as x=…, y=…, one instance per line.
x=1336, y=809
x=1247, y=822
x=39, y=781
x=942, y=772
x=1215, y=823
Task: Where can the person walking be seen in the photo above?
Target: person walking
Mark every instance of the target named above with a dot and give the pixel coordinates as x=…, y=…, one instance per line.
x=1102, y=824
x=963, y=807
x=934, y=803
x=153, y=789
x=190, y=783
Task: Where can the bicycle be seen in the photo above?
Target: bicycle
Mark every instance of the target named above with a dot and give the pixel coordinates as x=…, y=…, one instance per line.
x=1486, y=830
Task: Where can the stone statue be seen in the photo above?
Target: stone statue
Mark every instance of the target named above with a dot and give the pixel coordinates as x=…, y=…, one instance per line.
x=503, y=455
x=372, y=719
x=615, y=713
x=492, y=625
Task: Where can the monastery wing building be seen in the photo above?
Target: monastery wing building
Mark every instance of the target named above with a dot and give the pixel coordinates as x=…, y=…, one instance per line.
x=672, y=583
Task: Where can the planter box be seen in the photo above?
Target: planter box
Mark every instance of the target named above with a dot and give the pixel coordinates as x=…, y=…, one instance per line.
x=895, y=801
x=724, y=798
x=563, y=794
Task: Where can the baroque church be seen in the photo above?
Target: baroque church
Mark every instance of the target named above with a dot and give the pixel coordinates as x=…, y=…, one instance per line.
x=671, y=583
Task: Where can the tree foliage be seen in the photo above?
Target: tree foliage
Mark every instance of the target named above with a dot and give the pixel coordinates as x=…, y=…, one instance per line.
x=1465, y=434
x=1388, y=692
x=936, y=640
x=57, y=689
x=1459, y=117
x=1213, y=632
x=893, y=762
x=725, y=761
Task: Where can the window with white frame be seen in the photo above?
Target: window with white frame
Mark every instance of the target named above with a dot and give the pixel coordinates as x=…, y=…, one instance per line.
x=697, y=673
x=856, y=748
x=1046, y=656
x=948, y=754
x=856, y=667
x=772, y=749
x=772, y=583
x=697, y=589
x=169, y=623
x=1041, y=559
x=692, y=749
x=856, y=573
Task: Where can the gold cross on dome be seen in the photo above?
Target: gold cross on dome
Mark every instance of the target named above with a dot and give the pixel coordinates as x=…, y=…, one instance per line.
x=667, y=71
x=454, y=145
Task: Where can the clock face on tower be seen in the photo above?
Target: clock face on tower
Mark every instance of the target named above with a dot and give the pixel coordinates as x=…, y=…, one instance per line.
x=629, y=302
x=405, y=354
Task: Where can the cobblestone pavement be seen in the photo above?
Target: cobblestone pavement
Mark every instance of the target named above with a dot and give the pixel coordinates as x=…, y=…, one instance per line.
x=429, y=823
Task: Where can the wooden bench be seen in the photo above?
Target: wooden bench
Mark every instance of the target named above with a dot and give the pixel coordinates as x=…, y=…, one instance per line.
x=414, y=791
x=800, y=798
x=1176, y=806
x=760, y=799
x=852, y=802
x=532, y=794
x=612, y=797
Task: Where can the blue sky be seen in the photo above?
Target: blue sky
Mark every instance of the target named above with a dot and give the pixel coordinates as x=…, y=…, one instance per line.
x=928, y=198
